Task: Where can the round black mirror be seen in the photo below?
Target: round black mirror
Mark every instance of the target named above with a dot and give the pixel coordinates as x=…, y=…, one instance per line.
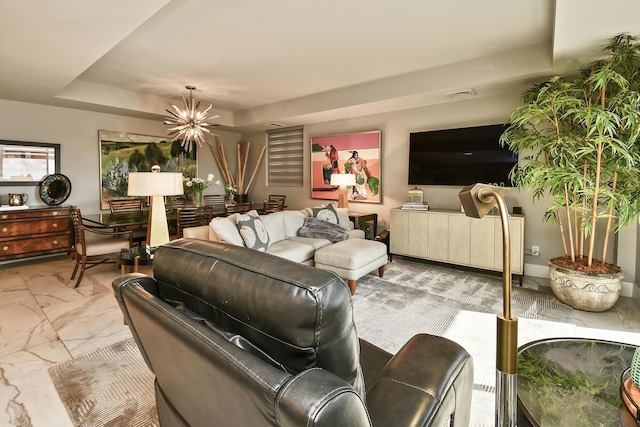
x=55, y=189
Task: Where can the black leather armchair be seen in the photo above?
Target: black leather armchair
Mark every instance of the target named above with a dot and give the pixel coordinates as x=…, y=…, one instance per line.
x=237, y=337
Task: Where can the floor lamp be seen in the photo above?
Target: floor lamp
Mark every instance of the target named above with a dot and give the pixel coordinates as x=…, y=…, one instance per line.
x=344, y=180
x=157, y=185
x=477, y=200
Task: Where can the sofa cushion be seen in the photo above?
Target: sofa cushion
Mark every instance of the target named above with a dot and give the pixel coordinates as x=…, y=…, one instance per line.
x=292, y=250
x=292, y=220
x=317, y=243
x=199, y=232
x=224, y=229
x=253, y=232
x=274, y=223
x=356, y=234
x=343, y=218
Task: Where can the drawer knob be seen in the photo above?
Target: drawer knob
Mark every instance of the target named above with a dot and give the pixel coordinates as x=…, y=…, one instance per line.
x=55, y=224
x=5, y=229
x=55, y=213
x=5, y=248
x=4, y=216
x=55, y=242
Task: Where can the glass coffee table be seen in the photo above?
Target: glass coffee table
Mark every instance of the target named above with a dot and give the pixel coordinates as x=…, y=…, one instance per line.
x=572, y=382
x=134, y=257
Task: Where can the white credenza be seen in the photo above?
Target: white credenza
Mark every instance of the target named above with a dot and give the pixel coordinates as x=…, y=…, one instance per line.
x=452, y=237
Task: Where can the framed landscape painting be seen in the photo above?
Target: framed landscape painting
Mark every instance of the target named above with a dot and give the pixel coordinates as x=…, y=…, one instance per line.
x=123, y=152
x=355, y=153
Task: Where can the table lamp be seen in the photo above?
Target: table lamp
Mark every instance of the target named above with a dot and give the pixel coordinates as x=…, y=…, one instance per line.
x=157, y=185
x=477, y=200
x=344, y=180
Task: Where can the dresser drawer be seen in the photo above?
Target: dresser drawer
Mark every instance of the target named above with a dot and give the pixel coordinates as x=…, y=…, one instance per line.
x=35, y=231
x=31, y=214
x=50, y=244
x=21, y=228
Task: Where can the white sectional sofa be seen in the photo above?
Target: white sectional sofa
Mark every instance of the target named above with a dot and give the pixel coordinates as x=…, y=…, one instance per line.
x=282, y=227
x=345, y=251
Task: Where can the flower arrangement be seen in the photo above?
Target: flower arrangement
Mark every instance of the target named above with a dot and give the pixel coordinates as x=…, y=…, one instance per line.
x=230, y=190
x=195, y=187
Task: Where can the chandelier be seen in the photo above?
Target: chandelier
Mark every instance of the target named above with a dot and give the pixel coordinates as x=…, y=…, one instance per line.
x=188, y=124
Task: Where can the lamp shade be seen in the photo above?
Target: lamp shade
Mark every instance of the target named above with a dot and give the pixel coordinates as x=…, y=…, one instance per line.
x=348, y=179
x=155, y=184
x=477, y=200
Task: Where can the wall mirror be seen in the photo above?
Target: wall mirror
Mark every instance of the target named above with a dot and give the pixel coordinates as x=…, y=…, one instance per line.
x=27, y=163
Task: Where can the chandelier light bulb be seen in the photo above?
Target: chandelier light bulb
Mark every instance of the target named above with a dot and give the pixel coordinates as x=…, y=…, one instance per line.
x=189, y=124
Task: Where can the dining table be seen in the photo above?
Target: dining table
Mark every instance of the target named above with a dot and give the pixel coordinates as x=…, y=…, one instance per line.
x=131, y=218
x=123, y=219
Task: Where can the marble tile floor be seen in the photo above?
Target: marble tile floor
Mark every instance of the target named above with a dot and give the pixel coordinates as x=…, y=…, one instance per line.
x=45, y=321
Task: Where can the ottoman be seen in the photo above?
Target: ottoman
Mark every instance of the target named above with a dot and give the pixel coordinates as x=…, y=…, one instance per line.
x=352, y=258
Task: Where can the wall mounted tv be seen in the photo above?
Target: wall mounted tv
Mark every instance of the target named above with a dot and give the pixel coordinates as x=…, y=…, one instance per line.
x=461, y=156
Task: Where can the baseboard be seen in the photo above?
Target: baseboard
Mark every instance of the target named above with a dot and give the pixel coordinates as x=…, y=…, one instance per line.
x=536, y=270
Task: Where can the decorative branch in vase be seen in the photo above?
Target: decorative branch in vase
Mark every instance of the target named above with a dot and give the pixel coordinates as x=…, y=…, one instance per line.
x=238, y=183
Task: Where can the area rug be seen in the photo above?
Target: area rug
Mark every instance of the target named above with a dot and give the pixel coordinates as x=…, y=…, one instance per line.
x=111, y=386
x=415, y=297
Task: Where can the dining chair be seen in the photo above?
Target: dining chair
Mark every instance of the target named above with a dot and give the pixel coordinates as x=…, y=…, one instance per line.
x=217, y=200
x=125, y=205
x=281, y=197
x=272, y=206
x=214, y=199
x=139, y=232
x=237, y=208
x=94, y=246
x=173, y=202
x=193, y=217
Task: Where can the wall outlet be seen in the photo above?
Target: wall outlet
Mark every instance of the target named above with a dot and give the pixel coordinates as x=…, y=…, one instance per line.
x=535, y=250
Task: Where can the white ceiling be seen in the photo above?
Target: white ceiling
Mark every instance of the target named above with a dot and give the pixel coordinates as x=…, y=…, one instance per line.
x=292, y=61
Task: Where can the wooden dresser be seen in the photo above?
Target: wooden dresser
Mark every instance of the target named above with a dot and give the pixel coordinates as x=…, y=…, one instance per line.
x=34, y=231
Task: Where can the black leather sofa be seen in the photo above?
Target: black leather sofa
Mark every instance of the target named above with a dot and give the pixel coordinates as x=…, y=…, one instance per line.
x=237, y=337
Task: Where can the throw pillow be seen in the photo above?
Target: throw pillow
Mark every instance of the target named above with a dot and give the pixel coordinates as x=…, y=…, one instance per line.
x=224, y=229
x=343, y=218
x=328, y=213
x=253, y=231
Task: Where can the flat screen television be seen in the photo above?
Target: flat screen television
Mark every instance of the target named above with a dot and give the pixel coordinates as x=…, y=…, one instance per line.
x=461, y=156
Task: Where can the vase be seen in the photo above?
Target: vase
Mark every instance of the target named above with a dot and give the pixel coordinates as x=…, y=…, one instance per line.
x=242, y=198
x=635, y=368
x=196, y=198
x=584, y=291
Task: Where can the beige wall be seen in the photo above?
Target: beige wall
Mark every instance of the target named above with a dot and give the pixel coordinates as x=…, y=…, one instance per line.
x=77, y=133
x=395, y=128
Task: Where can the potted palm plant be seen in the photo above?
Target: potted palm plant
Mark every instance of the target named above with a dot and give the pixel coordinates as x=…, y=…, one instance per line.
x=578, y=142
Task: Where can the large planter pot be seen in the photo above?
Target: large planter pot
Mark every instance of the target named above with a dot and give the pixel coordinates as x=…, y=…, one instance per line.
x=588, y=292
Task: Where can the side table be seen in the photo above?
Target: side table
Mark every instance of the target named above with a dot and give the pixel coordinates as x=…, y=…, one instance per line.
x=360, y=219
x=558, y=379
x=134, y=257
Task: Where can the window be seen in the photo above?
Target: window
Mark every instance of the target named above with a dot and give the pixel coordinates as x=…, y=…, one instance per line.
x=285, y=157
